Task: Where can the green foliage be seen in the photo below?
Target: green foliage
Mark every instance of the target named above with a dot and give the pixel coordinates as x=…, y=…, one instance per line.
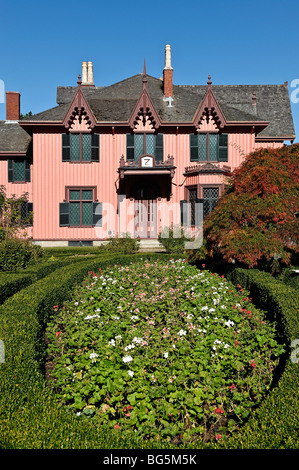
x=254, y=224
x=12, y=282
x=275, y=423
x=16, y=249
x=31, y=418
x=123, y=244
x=173, y=239
x=161, y=349
x=42, y=423
x=16, y=253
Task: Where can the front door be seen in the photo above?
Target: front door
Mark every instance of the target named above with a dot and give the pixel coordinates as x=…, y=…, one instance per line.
x=145, y=218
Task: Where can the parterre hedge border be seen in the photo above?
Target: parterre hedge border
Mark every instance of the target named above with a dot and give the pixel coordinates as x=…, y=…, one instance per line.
x=32, y=418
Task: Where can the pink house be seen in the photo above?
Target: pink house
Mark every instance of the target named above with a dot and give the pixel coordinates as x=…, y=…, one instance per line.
x=126, y=158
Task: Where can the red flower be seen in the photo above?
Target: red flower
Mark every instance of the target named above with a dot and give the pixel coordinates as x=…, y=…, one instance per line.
x=218, y=436
x=253, y=364
x=219, y=411
x=58, y=333
x=116, y=426
x=232, y=387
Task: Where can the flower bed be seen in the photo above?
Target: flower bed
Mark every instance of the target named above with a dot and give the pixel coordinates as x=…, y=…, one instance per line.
x=162, y=349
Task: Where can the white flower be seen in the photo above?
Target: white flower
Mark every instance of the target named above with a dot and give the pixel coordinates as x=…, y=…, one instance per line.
x=166, y=355
x=112, y=342
x=181, y=332
x=229, y=323
x=131, y=373
x=205, y=308
x=134, y=317
x=130, y=346
x=226, y=346
x=137, y=340
x=118, y=337
x=93, y=356
x=212, y=310
x=127, y=359
x=90, y=317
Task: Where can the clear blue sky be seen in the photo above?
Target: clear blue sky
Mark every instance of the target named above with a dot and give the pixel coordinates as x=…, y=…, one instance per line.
x=238, y=42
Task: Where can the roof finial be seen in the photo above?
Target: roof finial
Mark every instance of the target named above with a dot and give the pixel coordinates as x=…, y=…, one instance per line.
x=79, y=80
x=209, y=82
x=144, y=80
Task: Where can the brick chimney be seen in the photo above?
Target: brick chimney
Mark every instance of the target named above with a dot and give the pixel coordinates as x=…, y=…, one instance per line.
x=168, y=73
x=12, y=106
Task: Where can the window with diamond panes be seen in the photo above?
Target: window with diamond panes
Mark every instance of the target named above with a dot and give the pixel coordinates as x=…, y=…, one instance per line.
x=80, y=210
x=18, y=171
x=209, y=147
x=80, y=147
x=210, y=198
x=141, y=144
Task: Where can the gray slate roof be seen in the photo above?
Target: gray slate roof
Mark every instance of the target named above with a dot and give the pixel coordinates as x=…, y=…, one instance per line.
x=13, y=138
x=115, y=103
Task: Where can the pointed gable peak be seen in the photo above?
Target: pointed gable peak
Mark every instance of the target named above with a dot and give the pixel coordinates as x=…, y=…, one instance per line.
x=79, y=110
x=144, y=110
x=209, y=109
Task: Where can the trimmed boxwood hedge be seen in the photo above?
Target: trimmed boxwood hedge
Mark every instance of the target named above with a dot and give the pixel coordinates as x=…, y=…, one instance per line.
x=275, y=423
x=10, y=283
x=32, y=418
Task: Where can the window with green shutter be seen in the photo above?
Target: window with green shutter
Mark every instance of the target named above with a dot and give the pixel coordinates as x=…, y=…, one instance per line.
x=208, y=147
x=80, y=210
x=141, y=144
x=80, y=147
x=223, y=148
x=18, y=170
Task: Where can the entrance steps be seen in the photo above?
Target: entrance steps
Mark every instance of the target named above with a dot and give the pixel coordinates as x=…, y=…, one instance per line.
x=150, y=244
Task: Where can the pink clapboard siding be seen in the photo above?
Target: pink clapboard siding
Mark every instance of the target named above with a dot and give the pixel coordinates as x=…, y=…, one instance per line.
x=49, y=191
x=51, y=176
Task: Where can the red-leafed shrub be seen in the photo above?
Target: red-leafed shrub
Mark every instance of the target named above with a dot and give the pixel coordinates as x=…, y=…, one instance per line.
x=256, y=221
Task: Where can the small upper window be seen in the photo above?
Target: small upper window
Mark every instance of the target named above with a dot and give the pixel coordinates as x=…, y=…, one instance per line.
x=209, y=147
x=141, y=144
x=80, y=147
x=18, y=171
